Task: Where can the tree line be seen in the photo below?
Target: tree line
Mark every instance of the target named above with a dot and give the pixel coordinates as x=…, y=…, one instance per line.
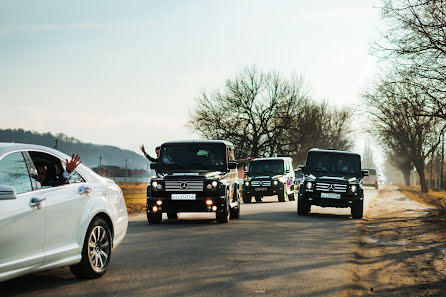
x=265, y=114
x=406, y=105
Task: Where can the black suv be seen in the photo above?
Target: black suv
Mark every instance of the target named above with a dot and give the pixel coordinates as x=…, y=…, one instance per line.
x=268, y=177
x=194, y=176
x=332, y=179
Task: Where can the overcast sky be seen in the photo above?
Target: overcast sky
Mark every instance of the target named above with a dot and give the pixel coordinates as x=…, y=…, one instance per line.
x=127, y=72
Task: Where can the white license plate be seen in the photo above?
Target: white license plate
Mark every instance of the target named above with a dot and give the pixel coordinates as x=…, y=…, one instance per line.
x=260, y=189
x=183, y=197
x=331, y=195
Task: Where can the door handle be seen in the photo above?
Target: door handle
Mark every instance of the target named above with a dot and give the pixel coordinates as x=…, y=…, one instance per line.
x=84, y=190
x=36, y=202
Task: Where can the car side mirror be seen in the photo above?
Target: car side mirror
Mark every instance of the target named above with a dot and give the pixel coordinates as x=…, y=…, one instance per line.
x=153, y=165
x=7, y=193
x=301, y=168
x=232, y=165
x=365, y=173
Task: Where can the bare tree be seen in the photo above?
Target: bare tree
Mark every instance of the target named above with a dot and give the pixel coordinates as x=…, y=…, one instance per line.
x=396, y=120
x=415, y=44
x=252, y=111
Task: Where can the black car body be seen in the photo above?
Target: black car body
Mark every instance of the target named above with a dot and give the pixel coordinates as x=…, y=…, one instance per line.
x=194, y=176
x=268, y=177
x=332, y=179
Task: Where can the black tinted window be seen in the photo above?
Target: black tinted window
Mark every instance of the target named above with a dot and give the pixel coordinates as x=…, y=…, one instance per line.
x=266, y=167
x=192, y=157
x=323, y=163
x=14, y=173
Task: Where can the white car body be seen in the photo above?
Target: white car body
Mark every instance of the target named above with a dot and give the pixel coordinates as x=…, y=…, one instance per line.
x=52, y=234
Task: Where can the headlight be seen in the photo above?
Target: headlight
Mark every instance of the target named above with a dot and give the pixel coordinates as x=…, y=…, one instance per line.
x=275, y=182
x=154, y=184
x=214, y=184
x=159, y=186
x=247, y=183
x=309, y=185
x=353, y=188
x=209, y=187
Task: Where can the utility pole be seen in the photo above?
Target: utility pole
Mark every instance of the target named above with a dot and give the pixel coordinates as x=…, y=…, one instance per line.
x=442, y=163
x=56, y=140
x=100, y=160
x=126, y=169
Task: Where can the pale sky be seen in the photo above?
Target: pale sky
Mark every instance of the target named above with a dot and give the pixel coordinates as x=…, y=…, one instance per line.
x=125, y=73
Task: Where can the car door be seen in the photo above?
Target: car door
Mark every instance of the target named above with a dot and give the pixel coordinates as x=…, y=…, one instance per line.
x=64, y=206
x=22, y=221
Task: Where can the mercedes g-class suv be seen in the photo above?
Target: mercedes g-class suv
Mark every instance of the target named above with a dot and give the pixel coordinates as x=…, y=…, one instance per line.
x=268, y=177
x=194, y=176
x=332, y=179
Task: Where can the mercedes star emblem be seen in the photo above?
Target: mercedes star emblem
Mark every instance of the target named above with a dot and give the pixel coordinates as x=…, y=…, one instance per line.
x=184, y=186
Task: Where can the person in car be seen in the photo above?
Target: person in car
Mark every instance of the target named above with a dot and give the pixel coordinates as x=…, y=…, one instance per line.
x=151, y=159
x=52, y=181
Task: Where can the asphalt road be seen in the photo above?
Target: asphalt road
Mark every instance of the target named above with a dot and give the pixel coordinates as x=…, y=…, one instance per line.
x=269, y=251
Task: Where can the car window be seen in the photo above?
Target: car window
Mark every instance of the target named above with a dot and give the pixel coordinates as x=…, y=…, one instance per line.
x=75, y=178
x=50, y=169
x=14, y=173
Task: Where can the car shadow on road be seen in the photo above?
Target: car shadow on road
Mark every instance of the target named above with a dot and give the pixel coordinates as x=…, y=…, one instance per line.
x=46, y=280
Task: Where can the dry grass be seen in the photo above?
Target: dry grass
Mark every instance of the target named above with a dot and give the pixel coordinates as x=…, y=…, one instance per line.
x=435, y=198
x=135, y=196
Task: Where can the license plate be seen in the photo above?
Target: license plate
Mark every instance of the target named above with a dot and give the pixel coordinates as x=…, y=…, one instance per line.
x=260, y=189
x=183, y=197
x=331, y=195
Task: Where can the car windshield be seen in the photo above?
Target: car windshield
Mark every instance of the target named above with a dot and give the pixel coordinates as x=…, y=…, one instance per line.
x=266, y=167
x=192, y=157
x=330, y=163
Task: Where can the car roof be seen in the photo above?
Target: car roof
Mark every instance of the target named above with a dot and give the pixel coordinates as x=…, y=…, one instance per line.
x=8, y=147
x=333, y=151
x=199, y=142
x=271, y=158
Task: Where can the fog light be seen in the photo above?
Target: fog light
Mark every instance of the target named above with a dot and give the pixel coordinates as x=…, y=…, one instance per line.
x=155, y=209
x=209, y=202
x=209, y=187
x=214, y=208
x=275, y=182
x=214, y=184
x=159, y=186
x=159, y=202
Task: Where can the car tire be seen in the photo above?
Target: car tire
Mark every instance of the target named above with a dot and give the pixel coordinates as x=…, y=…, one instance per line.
x=357, y=209
x=258, y=198
x=154, y=218
x=302, y=207
x=222, y=217
x=247, y=199
x=96, y=254
x=282, y=195
x=292, y=196
x=235, y=212
x=172, y=215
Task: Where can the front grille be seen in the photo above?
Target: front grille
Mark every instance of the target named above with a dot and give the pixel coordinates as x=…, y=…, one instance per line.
x=184, y=186
x=338, y=188
x=261, y=183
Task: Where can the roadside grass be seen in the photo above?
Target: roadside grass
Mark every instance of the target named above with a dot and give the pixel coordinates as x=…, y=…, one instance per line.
x=134, y=196
x=435, y=198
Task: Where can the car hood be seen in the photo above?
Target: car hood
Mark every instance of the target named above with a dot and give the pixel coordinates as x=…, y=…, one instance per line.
x=333, y=179
x=192, y=175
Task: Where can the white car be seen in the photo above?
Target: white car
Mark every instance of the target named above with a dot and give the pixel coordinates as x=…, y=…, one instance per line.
x=77, y=223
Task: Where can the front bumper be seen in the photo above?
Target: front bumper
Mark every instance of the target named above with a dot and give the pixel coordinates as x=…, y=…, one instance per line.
x=346, y=200
x=263, y=191
x=197, y=205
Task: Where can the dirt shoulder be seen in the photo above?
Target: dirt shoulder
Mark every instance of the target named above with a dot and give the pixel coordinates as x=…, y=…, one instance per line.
x=401, y=249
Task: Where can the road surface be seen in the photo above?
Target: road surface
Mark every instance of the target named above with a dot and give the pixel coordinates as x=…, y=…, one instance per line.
x=269, y=251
